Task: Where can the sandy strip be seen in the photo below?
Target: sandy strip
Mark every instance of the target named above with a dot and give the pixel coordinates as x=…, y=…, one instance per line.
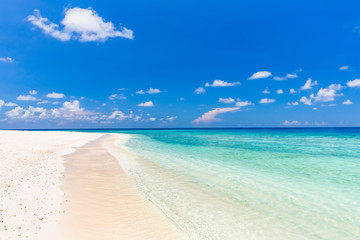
x=103, y=202
x=31, y=168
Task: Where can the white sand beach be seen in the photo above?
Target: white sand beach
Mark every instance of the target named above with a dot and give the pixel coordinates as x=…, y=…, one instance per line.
x=51, y=190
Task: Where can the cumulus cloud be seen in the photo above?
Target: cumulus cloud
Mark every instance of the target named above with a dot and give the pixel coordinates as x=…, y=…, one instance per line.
x=307, y=101
x=200, y=91
x=226, y=100
x=347, y=102
x=2, y=103
x=6, y=59
x=118, y=115
x=55, y=95
x=323, y=95
x=26, y=98
x=10, y=104
x=140, y=92
x=293, y=103
x=308, y=84
x=33, y=92
x=353, y=83
x=210, y=116
x=150, y=91
x=292, y=91
x=279, y=91
x=68, y=111
x=153, y=91
x=81, y=24
x=117, y=96
x=21, y=113
x=267, y=100
x=289, y=75
x=243, y=103
x=344, y=68
x=286, y=122
x=152, y=119
x=260, y=74
x=146, y=104
x=266, y=91
x=71, y=110
x=221, y=83
x=328, y=94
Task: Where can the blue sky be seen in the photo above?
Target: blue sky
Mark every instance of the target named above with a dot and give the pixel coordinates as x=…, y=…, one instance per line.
x=80, y=64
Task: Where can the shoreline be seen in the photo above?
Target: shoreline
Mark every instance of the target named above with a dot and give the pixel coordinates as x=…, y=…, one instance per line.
x=103, y=201
x=35, y=190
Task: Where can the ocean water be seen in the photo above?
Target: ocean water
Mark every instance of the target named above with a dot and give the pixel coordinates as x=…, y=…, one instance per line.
x=252, y=183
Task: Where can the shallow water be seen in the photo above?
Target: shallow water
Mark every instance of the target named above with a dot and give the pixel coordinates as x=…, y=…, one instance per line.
x=253, y=184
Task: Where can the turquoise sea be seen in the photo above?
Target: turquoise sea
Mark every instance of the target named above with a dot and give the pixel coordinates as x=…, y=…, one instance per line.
x=252, y=183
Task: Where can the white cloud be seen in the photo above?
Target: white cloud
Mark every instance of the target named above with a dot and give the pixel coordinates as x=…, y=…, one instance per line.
x=43, y=102
x=292, y=91
x=10, y=104
x=2, y=103
x=266, y=91
x=289, y=75
x=15, y=113
x=347, y=102
x=260, y=74
x=122, y=89
x=279, y=78
x=243, y=103
x=21, y=113
x=33, y=92
x=140, y=92
x=226, y=100
x=6, y=59
x=267, y=100
x=81, y=24
x=181, y=99
x=117, y=96
x=307, y=101
x=293, y=103
x=152, y=119
x=118, y=115
x=146, y=104
x=200, y=91
x=69, y=111
x=150, y=91
x=153, y=91
x=279, y=91
x=292, y=75
x=171, y=119
x=55, y=95
x=26, y=98
x=210, y=116
x=353, y=83
x=328, y=94
x=73, y=106
x=72, y=111
x=308, y=84
x=221, y=83
x=344, y=68
x=286, y=122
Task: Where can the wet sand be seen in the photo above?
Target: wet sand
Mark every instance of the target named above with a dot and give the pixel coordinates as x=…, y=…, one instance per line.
x=102, y=201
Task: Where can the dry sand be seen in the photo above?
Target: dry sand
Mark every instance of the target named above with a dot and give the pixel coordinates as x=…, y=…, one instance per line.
x=92, y=198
